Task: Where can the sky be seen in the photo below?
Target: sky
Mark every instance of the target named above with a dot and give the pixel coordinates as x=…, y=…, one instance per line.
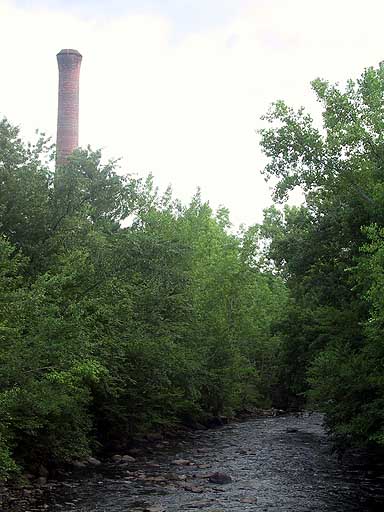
x=177, y=87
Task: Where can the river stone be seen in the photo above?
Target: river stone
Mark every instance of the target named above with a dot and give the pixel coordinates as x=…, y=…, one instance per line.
x=79, y=464
x=93, y=461
x=128, y=458
x=220, y=478
x=158, y=478
x=181, y=462
x=248, y=500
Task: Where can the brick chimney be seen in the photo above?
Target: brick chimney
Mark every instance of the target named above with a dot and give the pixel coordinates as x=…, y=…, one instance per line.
x=67, y=140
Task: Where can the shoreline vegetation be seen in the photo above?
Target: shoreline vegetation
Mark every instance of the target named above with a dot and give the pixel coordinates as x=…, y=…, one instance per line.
x=124, y=312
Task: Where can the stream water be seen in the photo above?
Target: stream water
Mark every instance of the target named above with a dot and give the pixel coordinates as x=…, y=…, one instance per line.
x=282, y=463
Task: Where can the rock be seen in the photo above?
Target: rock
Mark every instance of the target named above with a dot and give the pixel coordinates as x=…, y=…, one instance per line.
x=117, y=458
x=181, y=462
x=174, y=477
x=155, y=508
x=248, y=500
x=78, y=464
x=93, y=461
x=220, y=478
x=206, y=475
x=128, y=458
x=292, y=430
x=42, y=480
x=158, y=479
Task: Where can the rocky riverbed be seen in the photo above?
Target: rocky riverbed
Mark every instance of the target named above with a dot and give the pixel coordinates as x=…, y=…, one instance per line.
x=282, y=463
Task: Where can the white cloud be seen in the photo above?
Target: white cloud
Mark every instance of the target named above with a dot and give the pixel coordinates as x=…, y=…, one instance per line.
x=186, y=112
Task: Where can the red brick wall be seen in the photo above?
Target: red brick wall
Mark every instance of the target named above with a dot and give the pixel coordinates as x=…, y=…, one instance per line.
x=69, y=62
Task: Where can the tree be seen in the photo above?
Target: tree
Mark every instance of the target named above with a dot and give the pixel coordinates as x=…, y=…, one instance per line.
x=121, y=310
x=324, y=249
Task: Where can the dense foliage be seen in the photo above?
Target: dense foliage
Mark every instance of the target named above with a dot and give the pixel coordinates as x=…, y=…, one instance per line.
x=331, y=254
x=120, y=310
x=125, y=311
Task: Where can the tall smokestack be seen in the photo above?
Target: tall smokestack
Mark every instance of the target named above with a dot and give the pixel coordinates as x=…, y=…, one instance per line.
x=69, y=62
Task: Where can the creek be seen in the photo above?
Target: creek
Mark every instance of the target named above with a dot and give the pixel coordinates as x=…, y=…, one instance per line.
x=283, y=463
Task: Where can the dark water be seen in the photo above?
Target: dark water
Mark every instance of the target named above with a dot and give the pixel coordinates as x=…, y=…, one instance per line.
x=277, y=464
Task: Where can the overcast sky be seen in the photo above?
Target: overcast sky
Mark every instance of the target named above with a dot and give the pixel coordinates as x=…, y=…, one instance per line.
x=177, y=87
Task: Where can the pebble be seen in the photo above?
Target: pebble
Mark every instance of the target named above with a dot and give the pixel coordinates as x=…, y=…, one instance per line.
x=128, y=458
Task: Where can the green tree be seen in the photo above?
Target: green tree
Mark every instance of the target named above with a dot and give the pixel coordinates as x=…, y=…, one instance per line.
x=121, y=310
x=323, y=251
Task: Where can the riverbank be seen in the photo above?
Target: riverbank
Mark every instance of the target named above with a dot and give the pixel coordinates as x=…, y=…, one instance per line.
x=31, y=487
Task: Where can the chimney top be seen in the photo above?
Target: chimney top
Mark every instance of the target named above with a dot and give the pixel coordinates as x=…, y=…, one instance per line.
x=69, y=51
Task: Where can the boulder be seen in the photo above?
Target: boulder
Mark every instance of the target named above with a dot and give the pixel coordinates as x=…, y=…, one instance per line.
x=220, y=478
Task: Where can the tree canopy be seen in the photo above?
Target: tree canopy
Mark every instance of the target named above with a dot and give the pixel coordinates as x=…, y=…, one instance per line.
x=121, y=310
x=329, y=252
